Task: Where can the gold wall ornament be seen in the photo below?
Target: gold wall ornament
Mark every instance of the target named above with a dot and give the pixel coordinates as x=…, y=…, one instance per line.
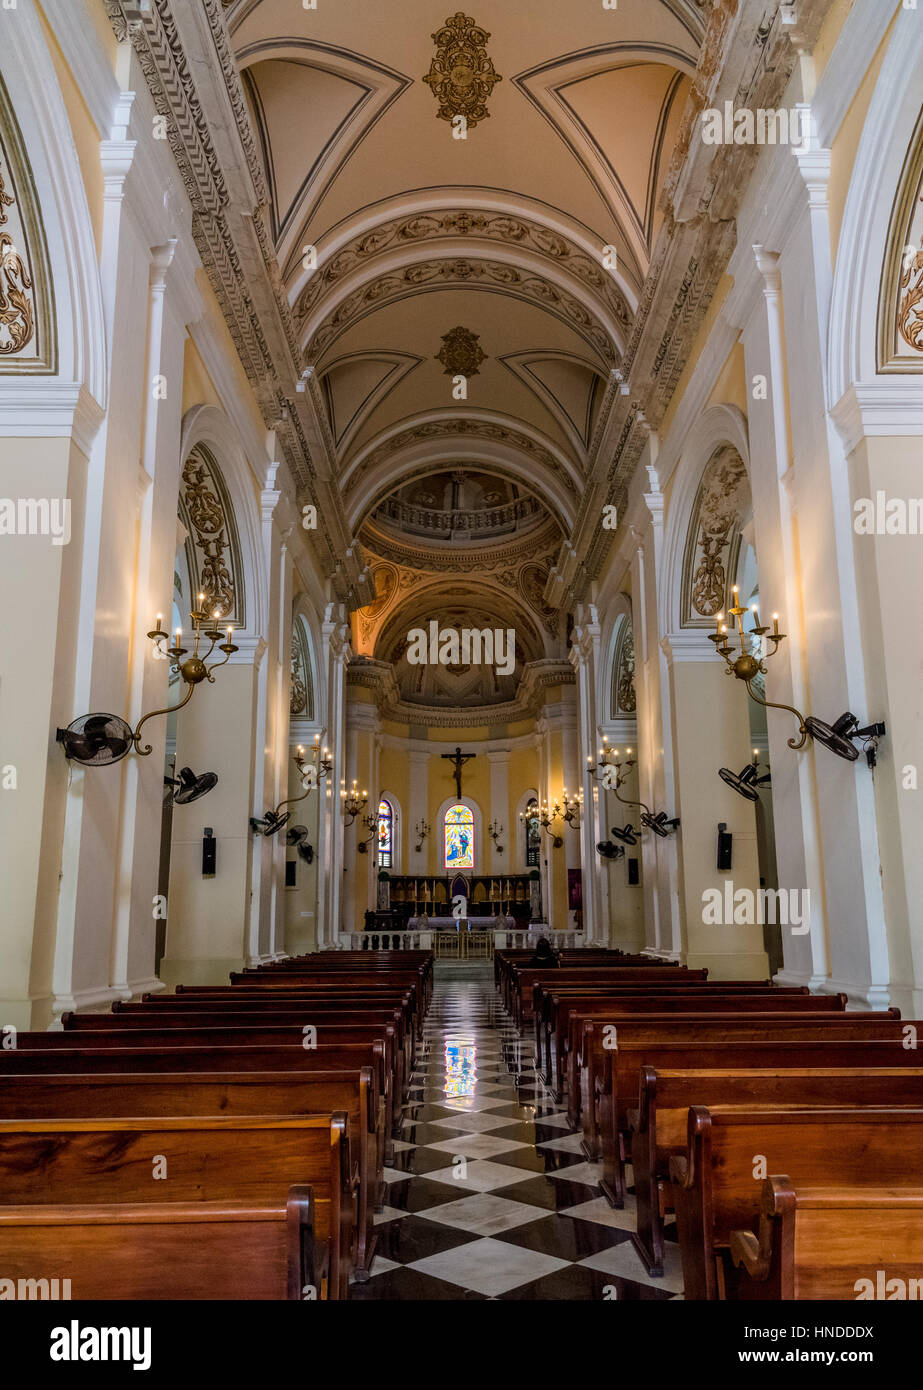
x=461, y=353
x=713, y=539
x=27, y=325
x=206, y=510
x=461, y=75
x=625, y=701
x=16, y=323
x=302, y=689
x=910, y=308
x=899, y=347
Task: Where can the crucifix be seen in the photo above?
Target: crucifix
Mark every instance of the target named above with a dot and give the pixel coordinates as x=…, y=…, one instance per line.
x=459, y=759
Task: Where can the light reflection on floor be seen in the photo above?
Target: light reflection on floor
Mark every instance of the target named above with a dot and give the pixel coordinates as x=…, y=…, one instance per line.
x=461, y=1067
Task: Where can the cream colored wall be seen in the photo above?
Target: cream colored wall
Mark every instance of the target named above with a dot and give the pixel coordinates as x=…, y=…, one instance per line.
x=83, y=128
x=844, y=147
x=712, y=730
x=34, y=699
x=205, y=918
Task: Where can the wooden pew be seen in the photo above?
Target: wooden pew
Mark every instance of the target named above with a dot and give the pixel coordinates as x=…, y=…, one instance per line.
x=638, y=1041
x=151, y=1094
x=851, y=1243
x=242, y=1161
x=563, y=1037
x=547, y=995
x=339, y=1029
x=658, y=1127
x=168, y=1250
x=601, y=1111
x=324, y=1010
x=715, y=1192
x=525, y=980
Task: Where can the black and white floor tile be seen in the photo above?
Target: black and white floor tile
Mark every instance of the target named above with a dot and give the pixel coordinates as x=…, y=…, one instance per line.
x=489, y=1195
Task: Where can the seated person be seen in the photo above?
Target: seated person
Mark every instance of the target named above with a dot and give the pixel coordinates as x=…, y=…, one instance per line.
x=543, y=954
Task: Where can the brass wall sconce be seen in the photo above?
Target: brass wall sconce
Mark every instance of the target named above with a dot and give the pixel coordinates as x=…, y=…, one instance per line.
x=571, y=809
x=311, y=773
x=96, y=740
x=613, y=775
x=546, y=816
x=351, y=803
x=838, y=737
x=370, y=822
x=495, y=831
x=273, y=821
x=421, y=830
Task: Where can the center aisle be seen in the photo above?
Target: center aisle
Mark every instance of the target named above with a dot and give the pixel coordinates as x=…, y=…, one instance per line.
x=490, y=1195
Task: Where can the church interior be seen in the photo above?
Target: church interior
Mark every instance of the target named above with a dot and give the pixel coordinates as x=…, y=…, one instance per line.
x=457, y=473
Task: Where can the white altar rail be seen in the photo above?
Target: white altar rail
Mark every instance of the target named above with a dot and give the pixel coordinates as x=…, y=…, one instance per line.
x=516, y=940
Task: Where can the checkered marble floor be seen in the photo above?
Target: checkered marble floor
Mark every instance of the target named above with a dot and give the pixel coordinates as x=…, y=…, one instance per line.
x=490, y=1195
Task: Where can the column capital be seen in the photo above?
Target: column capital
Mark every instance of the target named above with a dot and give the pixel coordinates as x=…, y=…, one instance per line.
x=689, y=645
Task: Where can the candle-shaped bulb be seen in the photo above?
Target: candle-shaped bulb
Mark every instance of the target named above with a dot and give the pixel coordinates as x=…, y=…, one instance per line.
x=775, y=624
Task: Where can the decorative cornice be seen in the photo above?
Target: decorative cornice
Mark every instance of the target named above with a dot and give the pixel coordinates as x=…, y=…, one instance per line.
x=475, y=274
x=537, y=676
x=460, y=226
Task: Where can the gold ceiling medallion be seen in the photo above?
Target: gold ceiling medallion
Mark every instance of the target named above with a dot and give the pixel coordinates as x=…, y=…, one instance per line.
x=461, y=353
x=461, y=75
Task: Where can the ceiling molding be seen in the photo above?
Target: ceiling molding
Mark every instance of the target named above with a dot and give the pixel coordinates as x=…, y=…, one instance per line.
x=530, y=241
x=544, y=87
x=579, y=432
x=480, y=437
x=537, y=677
x=399, y=364
x=381, y=87
x=415, y=275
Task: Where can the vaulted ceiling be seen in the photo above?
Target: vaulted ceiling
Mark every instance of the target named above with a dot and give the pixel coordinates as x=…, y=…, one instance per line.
x=560, y=258
x=514, y=256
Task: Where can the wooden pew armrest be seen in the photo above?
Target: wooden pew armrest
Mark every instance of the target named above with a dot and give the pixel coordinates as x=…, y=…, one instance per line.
x=746, y=1252
x=754, y=1252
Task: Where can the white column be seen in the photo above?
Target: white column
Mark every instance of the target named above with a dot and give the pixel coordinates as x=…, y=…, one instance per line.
x=415, y=813
x=584, y=657
x=499, y=763
x=157, y=491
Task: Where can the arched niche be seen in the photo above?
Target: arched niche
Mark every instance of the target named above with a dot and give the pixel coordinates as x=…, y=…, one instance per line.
x=866, y=289
x=60, y=250
x=710, y=505
x=218, y=490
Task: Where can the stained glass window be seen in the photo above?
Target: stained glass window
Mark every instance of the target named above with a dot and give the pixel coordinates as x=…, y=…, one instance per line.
x=459, y=838
x=385, y=833
x=533, y=836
